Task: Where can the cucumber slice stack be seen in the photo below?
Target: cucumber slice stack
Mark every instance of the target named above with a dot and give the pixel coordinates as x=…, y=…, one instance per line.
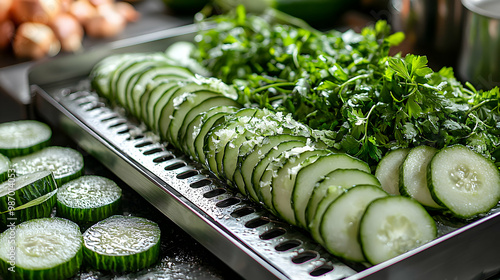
x=88, y=199
x=27, y=197
x=4, y=168
x=23, y=137
x=48, y=248
x=122, y=243
x=65, y=163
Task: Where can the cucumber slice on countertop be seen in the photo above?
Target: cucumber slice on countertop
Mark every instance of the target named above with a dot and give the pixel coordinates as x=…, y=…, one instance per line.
x=41, y=207
x=65, y=163
x=18, y=138
x=308, y=176
x=388, y=168
x=334, y=182
x=47, y=248
x=465, y=182
x=122, y=243
x=340, y=223
x=413, y=176
x=4, y=168
x=392, y=226
x=88, y=199
x=20, y=190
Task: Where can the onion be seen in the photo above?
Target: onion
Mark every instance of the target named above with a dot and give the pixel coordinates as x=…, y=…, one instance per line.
x=106, y=23
x=35, y=40
x=69, y=32
x=41, y=11
x=82, y=10
x=4, y=9
x=7, y=30
x=97, y=3
x=127, y=11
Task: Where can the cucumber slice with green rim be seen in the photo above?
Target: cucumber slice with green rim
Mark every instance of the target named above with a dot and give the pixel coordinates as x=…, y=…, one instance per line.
x=88, y=199
x=263, y=172
x=182, y=105
x=205, y=128
x=339, y=226
x=309, y=175
x=284, y=181
x=198, y=109
x=248, y=162
x=392, y=226
x=153, y=93
x=331, y=193
x=343, y=178
x=159, y=98
x=101, y=73
x=20, y=190
x=166, y=112
x=18, y=138
x=65, y=163
x=4, y=168
x=47, y=248
x=40, y=207
x=388, y=169
x=122, y=73
x=413, y=176
x=465, y=182
x=122, y=243
x=219, y=136
x=145, y=79
x=195, y=127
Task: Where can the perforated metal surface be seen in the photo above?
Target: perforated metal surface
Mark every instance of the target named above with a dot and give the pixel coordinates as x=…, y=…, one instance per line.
x=276, y=247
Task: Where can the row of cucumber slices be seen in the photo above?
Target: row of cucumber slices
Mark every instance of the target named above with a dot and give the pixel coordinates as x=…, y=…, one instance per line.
x=269, y=157
x=39, y=178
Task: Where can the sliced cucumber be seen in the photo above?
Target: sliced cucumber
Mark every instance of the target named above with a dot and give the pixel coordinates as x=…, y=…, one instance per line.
x=392, y=226
x=101, y=73
x=388, y=168
x=166, y=112
x=20, y=190
x=284, y=181
x=47, y=248
x=4, y=168
x=464, y=181
x=340, y=224
x=65, y=163
x=18, y=138
x=194, y=128
x=249, y=161
x=122, y=243
x=40, y=207
x=265, y=170
x=219, y=136
x=198, y=109
x=181, y=108
x=88, y=199
x=158, y=100
x=308, y=176
x=147, y=78
x=339, y=179
x=413, y=176
x=205, y=128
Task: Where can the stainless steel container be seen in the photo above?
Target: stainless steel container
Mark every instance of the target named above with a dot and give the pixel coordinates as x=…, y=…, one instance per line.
x=480, y=55
x=432, y=27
